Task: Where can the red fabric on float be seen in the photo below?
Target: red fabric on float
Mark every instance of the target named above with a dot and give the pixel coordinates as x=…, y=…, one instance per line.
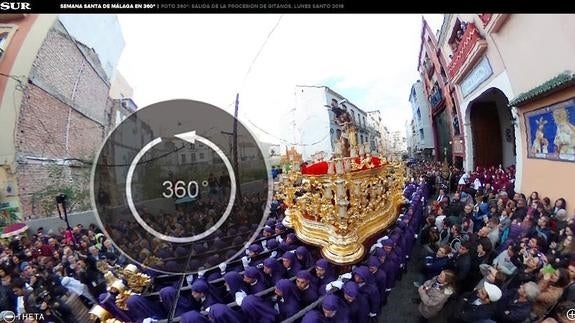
x=321, y=167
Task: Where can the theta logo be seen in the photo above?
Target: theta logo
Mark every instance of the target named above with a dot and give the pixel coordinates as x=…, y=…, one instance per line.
x=170, y=192
x=9, y=317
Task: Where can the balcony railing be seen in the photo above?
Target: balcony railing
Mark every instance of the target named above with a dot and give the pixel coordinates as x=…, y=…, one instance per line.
x=471, y=46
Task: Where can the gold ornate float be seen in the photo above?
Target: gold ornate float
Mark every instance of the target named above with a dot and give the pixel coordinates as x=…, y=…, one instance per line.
x=340, y=203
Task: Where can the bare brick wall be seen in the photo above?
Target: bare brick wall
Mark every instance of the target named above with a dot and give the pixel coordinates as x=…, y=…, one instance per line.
x=65, y=98
x=62, y=69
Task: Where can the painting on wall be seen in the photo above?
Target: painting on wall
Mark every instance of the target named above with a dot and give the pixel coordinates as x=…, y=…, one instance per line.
x=551, y=132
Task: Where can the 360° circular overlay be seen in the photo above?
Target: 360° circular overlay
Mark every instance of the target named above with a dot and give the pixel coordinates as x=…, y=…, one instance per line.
x=170, y=192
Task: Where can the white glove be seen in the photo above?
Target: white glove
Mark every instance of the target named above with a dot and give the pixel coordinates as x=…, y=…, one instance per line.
x=201, y=273
x=277, y=308
x=292, y=251
x=264, y=244
x=372, y=315
x=245, y=261
x=279, y=239
x=147, y=320
x=207, y=309
x=274, y=254
x=329, y=287
x=415, y=236
x=190, y=279
x=223, y=267
x=381, y=240
x=345, y=276
x=240, y=297
x=337, y=284
x=375, y=246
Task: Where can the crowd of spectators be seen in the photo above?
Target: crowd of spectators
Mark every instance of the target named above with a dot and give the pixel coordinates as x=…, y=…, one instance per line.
x=504, y=256
x=494, y=254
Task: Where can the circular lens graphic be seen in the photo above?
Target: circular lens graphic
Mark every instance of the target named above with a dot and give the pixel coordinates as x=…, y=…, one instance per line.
x=170, y=191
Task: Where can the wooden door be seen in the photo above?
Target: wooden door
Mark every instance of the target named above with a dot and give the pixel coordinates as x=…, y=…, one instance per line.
x=486, y=130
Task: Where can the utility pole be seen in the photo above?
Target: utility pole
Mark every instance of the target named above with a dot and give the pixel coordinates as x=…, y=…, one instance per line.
x=235, y=150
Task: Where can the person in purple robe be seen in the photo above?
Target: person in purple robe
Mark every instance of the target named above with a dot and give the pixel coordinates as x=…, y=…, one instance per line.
x=141, y=308
x=304, y=257
x=168, y=298
x=252, y=252
x=357, y=303
x=364, y=280
x=288, y=302
x=379, y=277
x=202, y=295
x=108, y=302
x=392, y=263
x=290, y=243
x=258, y=310
x=193, y=317
x=273, y=272
x=334, y=310
x=233, y=283
x=280, y=229
x=289, y=262
x=254, y=280
x=272, y=244
x=313, y=317
x=308, y=292
x=323, y=274
x=221, y=313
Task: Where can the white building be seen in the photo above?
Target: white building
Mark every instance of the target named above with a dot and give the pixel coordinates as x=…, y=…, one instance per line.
x=375, y=127
x=315, y=128
x=421, y=144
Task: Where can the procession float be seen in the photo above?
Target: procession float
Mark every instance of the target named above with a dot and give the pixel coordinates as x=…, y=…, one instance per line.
x=338, y=204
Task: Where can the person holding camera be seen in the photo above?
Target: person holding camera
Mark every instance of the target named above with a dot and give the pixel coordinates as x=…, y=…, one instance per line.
x=434, y=293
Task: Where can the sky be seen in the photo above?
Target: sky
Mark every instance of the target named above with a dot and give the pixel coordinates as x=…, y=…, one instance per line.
x=369, y=59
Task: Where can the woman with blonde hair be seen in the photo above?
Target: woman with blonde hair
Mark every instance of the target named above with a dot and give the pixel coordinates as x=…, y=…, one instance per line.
x=434, y=293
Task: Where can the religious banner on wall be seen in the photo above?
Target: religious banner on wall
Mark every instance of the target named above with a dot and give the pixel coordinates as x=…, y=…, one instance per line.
x=551, y=132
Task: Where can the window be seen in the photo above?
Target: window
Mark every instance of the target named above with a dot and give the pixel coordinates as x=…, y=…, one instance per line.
x=418, y=114
x=193, y=157
x=6, y=33
x=201, y=155
x=421, y=136
x=182, y=158
x=192, y=146
x=3, y=39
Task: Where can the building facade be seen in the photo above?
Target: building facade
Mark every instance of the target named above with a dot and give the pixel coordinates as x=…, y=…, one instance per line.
x=54, y=116
x=420, y=131
x=314, y=129
x=445, y=124
x=512, y=80
x=375, y=128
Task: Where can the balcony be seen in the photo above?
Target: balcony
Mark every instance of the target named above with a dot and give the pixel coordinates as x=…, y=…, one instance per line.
x=469, y=50
x=485, y=18
x=435, y=98
x=492, y=22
